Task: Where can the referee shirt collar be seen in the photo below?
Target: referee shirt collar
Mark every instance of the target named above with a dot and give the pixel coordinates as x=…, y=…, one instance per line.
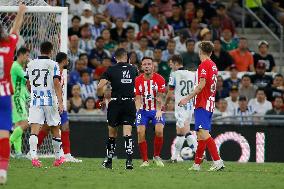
x=43, y=57
x=182, y=68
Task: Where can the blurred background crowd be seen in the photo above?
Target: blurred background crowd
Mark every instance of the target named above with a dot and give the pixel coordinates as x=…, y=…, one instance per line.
x=249, y=81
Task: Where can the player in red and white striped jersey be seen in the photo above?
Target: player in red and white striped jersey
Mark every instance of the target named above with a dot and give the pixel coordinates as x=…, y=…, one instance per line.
x=206, y=80
x=7, y=47
x=149, y=88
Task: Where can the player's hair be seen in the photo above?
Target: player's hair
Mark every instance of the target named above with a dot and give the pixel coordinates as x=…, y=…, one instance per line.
x=119, y=53
x=82, y=54
x=189, y=41
x=61, y=56
x=146, y=58
x=22, y=50
x=75, y=18
x=246, y=75
x=177, y=59
x=206, y=47
x=46, y=47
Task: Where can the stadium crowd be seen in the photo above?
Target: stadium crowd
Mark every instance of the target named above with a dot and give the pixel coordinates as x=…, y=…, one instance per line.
x=160, y=29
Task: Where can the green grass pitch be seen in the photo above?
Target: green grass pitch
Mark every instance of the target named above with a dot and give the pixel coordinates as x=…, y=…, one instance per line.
x=89, y=174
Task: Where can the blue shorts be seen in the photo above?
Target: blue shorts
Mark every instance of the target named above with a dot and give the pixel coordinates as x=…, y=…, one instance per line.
x=144, y=116
x=203, y=119
x=5, y=113
x=64, y=117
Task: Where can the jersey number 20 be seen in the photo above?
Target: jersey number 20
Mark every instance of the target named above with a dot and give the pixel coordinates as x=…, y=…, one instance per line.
x=186, y=86
x=37, y=74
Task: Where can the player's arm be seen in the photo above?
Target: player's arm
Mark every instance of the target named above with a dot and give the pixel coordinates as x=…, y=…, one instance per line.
x=195, y=92
x=138, y=102
x=160, y=99
x=100, y=88
x=169, y=95
x=19, y=19
x=58, y=87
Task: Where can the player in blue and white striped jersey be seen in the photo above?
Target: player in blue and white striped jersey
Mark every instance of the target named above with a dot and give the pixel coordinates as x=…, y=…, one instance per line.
x=43, y=76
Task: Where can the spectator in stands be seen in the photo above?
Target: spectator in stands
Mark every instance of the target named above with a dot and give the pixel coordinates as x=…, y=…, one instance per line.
x=180, y=40
x=97, y=54
x=130, y=37
x=97, y=7
x=166, y=7
x=118, y=32
x=277, y=87
x=166, y=31
x=263, y=56
x=247, y=88
x=144, y=50
x=163, y=67
x=221, y=92
x=133, y=59
x=156, y=66
x=90, y=107
x=228, y=42
x=177, y=20
x=215, y=28
x=199, y=15
x=243, y=110
x=118, y=9
x=233, y=99
x=76, y=7
x=152, y=16
x=259, y=104
x=156, y=41
x=234, y=11
x=190, y=58
x=74, y=76
x=140, y=9
x=221, y=108
x=170, y=51
x=99, y=25
x=226, y=21
x=189, y=11
x=222, y=58
x=205, y=35
x=86, y=42
x=233, y=80
x=278, y=6
x=144, y=30
x=87, y=15
x=278, y=107
x=260, y=79
x=76, y=101
x=75, y=26
x=194, y=29
x=101, y=68
x=83, y=57
x=109, y=44
x=210, y=7
x=74, y=51
x=243, y=59
x=88, y=87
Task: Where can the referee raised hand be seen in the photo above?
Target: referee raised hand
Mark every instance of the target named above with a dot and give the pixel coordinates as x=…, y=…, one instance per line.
x=121, y=109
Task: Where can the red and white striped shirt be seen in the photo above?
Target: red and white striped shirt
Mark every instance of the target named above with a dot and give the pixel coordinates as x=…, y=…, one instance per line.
x=7, y=49
x=206, y=98
x=148, y=89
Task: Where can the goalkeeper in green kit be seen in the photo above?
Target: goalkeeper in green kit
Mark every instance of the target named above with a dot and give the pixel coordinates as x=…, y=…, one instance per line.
x=19, y=99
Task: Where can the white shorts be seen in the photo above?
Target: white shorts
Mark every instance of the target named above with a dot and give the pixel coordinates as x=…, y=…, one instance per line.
x=44, y=114
x=183, y=115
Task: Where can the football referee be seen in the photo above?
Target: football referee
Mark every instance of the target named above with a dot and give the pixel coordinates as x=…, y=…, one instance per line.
x=121, y=109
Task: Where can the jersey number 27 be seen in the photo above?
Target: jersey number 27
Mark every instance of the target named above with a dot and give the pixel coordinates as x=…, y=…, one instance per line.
x=37, y=74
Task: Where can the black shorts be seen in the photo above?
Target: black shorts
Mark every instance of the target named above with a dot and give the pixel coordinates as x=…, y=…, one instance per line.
x=121, y=113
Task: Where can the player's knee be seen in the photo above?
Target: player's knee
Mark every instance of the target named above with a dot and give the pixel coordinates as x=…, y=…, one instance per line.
x=4, y=134
x=159, y=133
x=65, y=127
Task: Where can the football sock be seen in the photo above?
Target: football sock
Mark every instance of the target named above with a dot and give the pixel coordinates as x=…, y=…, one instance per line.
x=178, y=145
x=41, y=135
x=212, y=148
x=110, y=147
x=200, y=151
x=33, y=141
x=143, y=148
x=16, y=139
x=4, y=153
x=57, y=146
x=191, y=141
x=65, y=137
x=158, y=144
x=128, y=143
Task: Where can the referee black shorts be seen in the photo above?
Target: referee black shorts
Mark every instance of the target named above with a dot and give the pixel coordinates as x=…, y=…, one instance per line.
x=121, y=112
